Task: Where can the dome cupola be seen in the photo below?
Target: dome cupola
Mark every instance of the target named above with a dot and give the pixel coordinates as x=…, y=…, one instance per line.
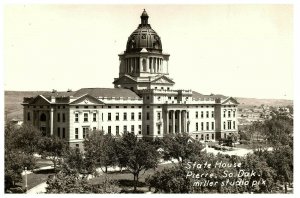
x=144, y=37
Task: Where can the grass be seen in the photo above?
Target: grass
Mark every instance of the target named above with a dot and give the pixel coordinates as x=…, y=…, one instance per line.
x=43, y=162
x=37, y=178
x=125, y=179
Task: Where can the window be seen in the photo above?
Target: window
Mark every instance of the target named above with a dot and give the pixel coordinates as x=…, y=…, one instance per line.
x=77, y=145
x=196, y=137
x=117, y=130
x=207, y=125
x=229, y=124
x=132, y=116
x=125, y=107
x=109, y=117
x=148, y=116
x=158, y=116
x=125, y=129
x=196, y=126
x=140, y=129
x=94, y=117
x=148, y=129
x=64, y=117
x=58, y=117
x=28, y=116
x=169, y=97
x=86, y=107
x=85, y=132
x=77, y=107
x=109, y=107
x=64, y=133
x=196, y=114
x=202, y=126
x=213, y=136
x=158, y=129
x=233, y=114
x=102, y=115
x=224, y=125
x=76, y=133
x=58, y=132
x=207, y=136
x=202, y=137
x=140, y=115
x=117, y=107
x=224, y=114
x=109, y=130
x=85, y=117
x=233, y=124
x=229, y=114
x=94, y=128
x=132, y=128
x=132, y=107
x=76, y=117
x=212, y=114
x=125, y=116
x=117, y=116
x=212, y=126
x=187, y=115
x=201, y=114
x=207, y=114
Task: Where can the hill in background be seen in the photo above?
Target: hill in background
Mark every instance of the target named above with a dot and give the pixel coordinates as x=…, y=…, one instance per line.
x=14, y=109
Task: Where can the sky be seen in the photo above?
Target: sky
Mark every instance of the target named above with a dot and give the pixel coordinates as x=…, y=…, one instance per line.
x=235, y=50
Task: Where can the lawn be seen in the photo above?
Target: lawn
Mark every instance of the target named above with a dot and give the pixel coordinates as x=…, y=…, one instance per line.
x=125, y=178
x=37, y=178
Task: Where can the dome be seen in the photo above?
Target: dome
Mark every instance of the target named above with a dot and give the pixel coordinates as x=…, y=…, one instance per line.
x=144, y=37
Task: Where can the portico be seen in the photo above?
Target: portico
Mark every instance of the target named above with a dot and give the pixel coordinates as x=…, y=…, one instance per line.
x=175, y=121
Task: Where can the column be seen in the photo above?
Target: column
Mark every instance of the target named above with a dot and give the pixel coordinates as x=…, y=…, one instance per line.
x=184, y=121
x=173, y=121
x=51, y=121
x=141, y=64
x=179, y=121
x=167, y=123
x=147, y=64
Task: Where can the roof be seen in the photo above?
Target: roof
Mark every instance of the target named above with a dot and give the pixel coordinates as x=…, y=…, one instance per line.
x=197, y=95
x=106, y=92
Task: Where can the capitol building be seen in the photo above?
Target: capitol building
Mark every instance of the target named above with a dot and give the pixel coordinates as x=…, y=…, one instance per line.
x=143, y=101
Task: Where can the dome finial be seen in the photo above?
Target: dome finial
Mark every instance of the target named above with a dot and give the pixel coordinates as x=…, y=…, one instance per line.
x=144, y=18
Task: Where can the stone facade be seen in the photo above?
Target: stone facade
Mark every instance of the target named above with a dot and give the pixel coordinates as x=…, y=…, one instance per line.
x=143, y=101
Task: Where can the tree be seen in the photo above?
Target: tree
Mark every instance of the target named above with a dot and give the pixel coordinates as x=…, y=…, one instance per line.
x=53, y=148
x=70, y=181
x=27, y=138
x=76, y=161
x=100, y=150
x=17, y=155
x=181, y=147
x=136, y=155
x=170, y=180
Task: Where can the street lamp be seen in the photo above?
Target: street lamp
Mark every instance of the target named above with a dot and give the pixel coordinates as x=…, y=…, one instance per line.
x=26, y=179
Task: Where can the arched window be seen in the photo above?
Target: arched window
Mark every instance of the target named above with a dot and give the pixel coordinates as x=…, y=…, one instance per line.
x=43, y=117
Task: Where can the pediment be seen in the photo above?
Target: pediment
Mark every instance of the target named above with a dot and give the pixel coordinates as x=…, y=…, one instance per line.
x=124, y=80
x=86, y=100
x=163, y=80
x=40, y=100
x=230, y=101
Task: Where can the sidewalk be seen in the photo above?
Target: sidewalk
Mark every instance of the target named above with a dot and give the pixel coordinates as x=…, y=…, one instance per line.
x=39, y=189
